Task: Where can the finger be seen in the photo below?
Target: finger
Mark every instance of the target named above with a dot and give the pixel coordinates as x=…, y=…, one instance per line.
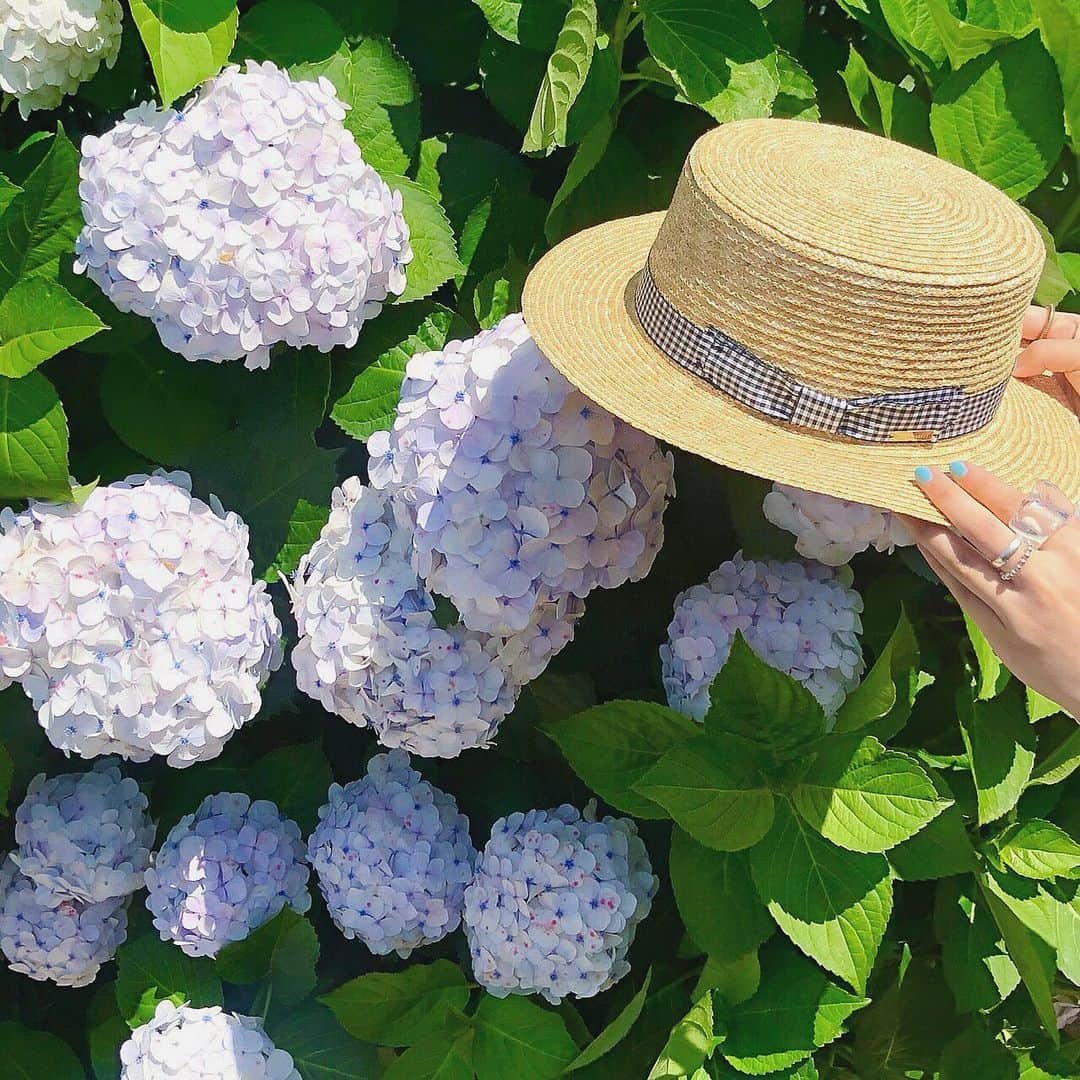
x=979, y=526
x=999, y=498
x=1062, y=325
x=1048, y=355
x=984, y=615
x=948, y=553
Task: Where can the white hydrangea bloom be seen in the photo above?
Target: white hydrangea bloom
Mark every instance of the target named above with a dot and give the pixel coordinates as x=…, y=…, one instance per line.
x=800, y=617
x=56, y=938
x=224, y=871
x=49, y=47
x=832, y=530
x=182, y=1043
x=556, y=902
x=133, y=622
x=393, y=857
x=246, y=219
x=534, y=498
x=84, y=835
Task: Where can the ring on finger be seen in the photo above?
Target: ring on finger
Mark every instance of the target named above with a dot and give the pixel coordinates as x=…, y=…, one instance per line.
x=1007, y=552
x=1014, y=570
x=1044, y=511
x=1051, y=311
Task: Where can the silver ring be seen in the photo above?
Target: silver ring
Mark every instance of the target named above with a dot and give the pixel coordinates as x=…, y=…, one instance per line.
x=1007, y=552
x=1008, y=575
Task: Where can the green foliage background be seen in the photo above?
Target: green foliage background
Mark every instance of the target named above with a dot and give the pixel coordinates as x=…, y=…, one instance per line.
x=896, y=898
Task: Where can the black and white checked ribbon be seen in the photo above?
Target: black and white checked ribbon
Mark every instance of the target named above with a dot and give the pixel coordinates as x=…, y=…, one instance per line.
x=906, y=416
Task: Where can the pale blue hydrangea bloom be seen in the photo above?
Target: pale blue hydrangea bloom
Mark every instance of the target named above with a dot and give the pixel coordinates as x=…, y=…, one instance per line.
x=84, y=835
x=556, y=902
x=224, y=871
x=393, y=856
x=55, y=938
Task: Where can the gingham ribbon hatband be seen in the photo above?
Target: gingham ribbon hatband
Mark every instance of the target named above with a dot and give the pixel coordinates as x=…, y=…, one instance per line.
x=728, y=365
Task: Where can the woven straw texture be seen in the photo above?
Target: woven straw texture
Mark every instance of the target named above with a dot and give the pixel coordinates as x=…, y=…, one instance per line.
x=856, y=264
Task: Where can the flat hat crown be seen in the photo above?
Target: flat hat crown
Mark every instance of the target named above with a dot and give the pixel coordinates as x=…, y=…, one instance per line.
x=856, y=264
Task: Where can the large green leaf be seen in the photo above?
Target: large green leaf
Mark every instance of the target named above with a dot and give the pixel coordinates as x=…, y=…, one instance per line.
x=33, y=440
x=975, y=1052
x=283, y=951
x=287, y=32
x=911, y=22
x=534, y=24
x=612, y=747
x=866, y=798
x=38, y=319
x=796, y=1010
x=985, y=25
x=712, y=788
x=150, y=970
x=517, y=1038
x=733, y=981
x=1000, y=116
x=36, y=1055
x=320, y=1049
x=615, y=1031
x=295, y=779
x=183, y=60
x=567, y=70
x=1038, y=849
x=106, y=1032
x=189, y=16
x=1059, y=22
x=894, y=110
x=716, y=897
x=834, y=904
x=1061, y=762
x=940, y=850
x=445, y=1055
x=1001, y=745
x=691, y=1041
x=399, y=1009
x=435, y=260
x=720, y=55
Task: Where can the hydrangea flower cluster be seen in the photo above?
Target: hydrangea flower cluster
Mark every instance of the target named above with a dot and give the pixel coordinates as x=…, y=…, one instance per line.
x=800, y=617
x=182, y=1043
x=832, y=530
x=246, y=219
x=224, y=871
x=499, y=487
x=133, y=622
x=86, y=836
x=57, y=938
x=556, y=902
x=393, y=857
x=48, y=49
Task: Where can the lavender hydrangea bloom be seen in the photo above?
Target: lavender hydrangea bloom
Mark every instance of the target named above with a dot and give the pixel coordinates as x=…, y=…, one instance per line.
x=246, y=219
x=831, y=530
x=533, y=498
x=133, y=621
x=800, y=617
x=224, y=871
x=182, y=1043
x=48, y=48
x=49, y=937
x=86, y=836
x=556, y=902
x=393, y=857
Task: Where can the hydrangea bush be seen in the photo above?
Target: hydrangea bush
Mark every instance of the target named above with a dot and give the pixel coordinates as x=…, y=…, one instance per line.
x=417, y=728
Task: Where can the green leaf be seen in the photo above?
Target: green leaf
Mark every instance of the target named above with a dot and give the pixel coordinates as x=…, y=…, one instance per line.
x=535, y=24
x=1061, y=762
x=320, y=1049
x=190, y=16
x=1000, y=116
x=587, y=156
x=612, y=747
x=385, y=113
x=834, y=904
x=399, y=1009
x=517, y=1038
x=106, y=1032
x=720, y=55
x=940, y=850
x=33, y=440
x=150, y=970
x=1052, y=288
x=716, y=898
x=181, y=60
x=38, y=319
x=796, y=1010
x=1038, y=849
x=974, y=959
x=894, y=110
x=750, y=699
x=975, y=1052
x=40, y=224
x=435, y=260
x=441, y=1056
x=1059, y=23
x=567, y=69
x=796, y=98
x=287, y=32
x=305, y=523
x=8, y=191
x=295, y=779
x=734, y=981
x=711, y=787
x=370, y=404
x=615, y=1031
x=993, y=675
x=37, y=1055
x=984, y=27
x=691, y=1041
x=1001, y=746
x=1040, y=707
x=912, y=24
x=866, y=798
x=283, y=951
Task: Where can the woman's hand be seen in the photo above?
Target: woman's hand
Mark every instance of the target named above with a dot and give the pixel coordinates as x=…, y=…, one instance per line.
x=1033, y=621
x=1053, y=345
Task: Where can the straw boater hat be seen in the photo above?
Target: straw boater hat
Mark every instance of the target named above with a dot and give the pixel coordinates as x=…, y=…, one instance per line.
x=818, y=306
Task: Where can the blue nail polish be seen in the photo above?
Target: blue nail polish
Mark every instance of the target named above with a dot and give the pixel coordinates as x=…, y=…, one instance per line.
x=958, y=468
x=923, y=475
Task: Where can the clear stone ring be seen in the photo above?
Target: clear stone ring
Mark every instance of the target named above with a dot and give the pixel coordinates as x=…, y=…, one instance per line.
x=1042, y=513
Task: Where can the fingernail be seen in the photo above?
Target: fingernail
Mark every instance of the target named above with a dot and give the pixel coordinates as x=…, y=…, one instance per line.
x=958, y=468
x=923, y=475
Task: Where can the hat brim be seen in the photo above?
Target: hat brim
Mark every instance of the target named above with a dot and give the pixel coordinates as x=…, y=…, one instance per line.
x=578, y=304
